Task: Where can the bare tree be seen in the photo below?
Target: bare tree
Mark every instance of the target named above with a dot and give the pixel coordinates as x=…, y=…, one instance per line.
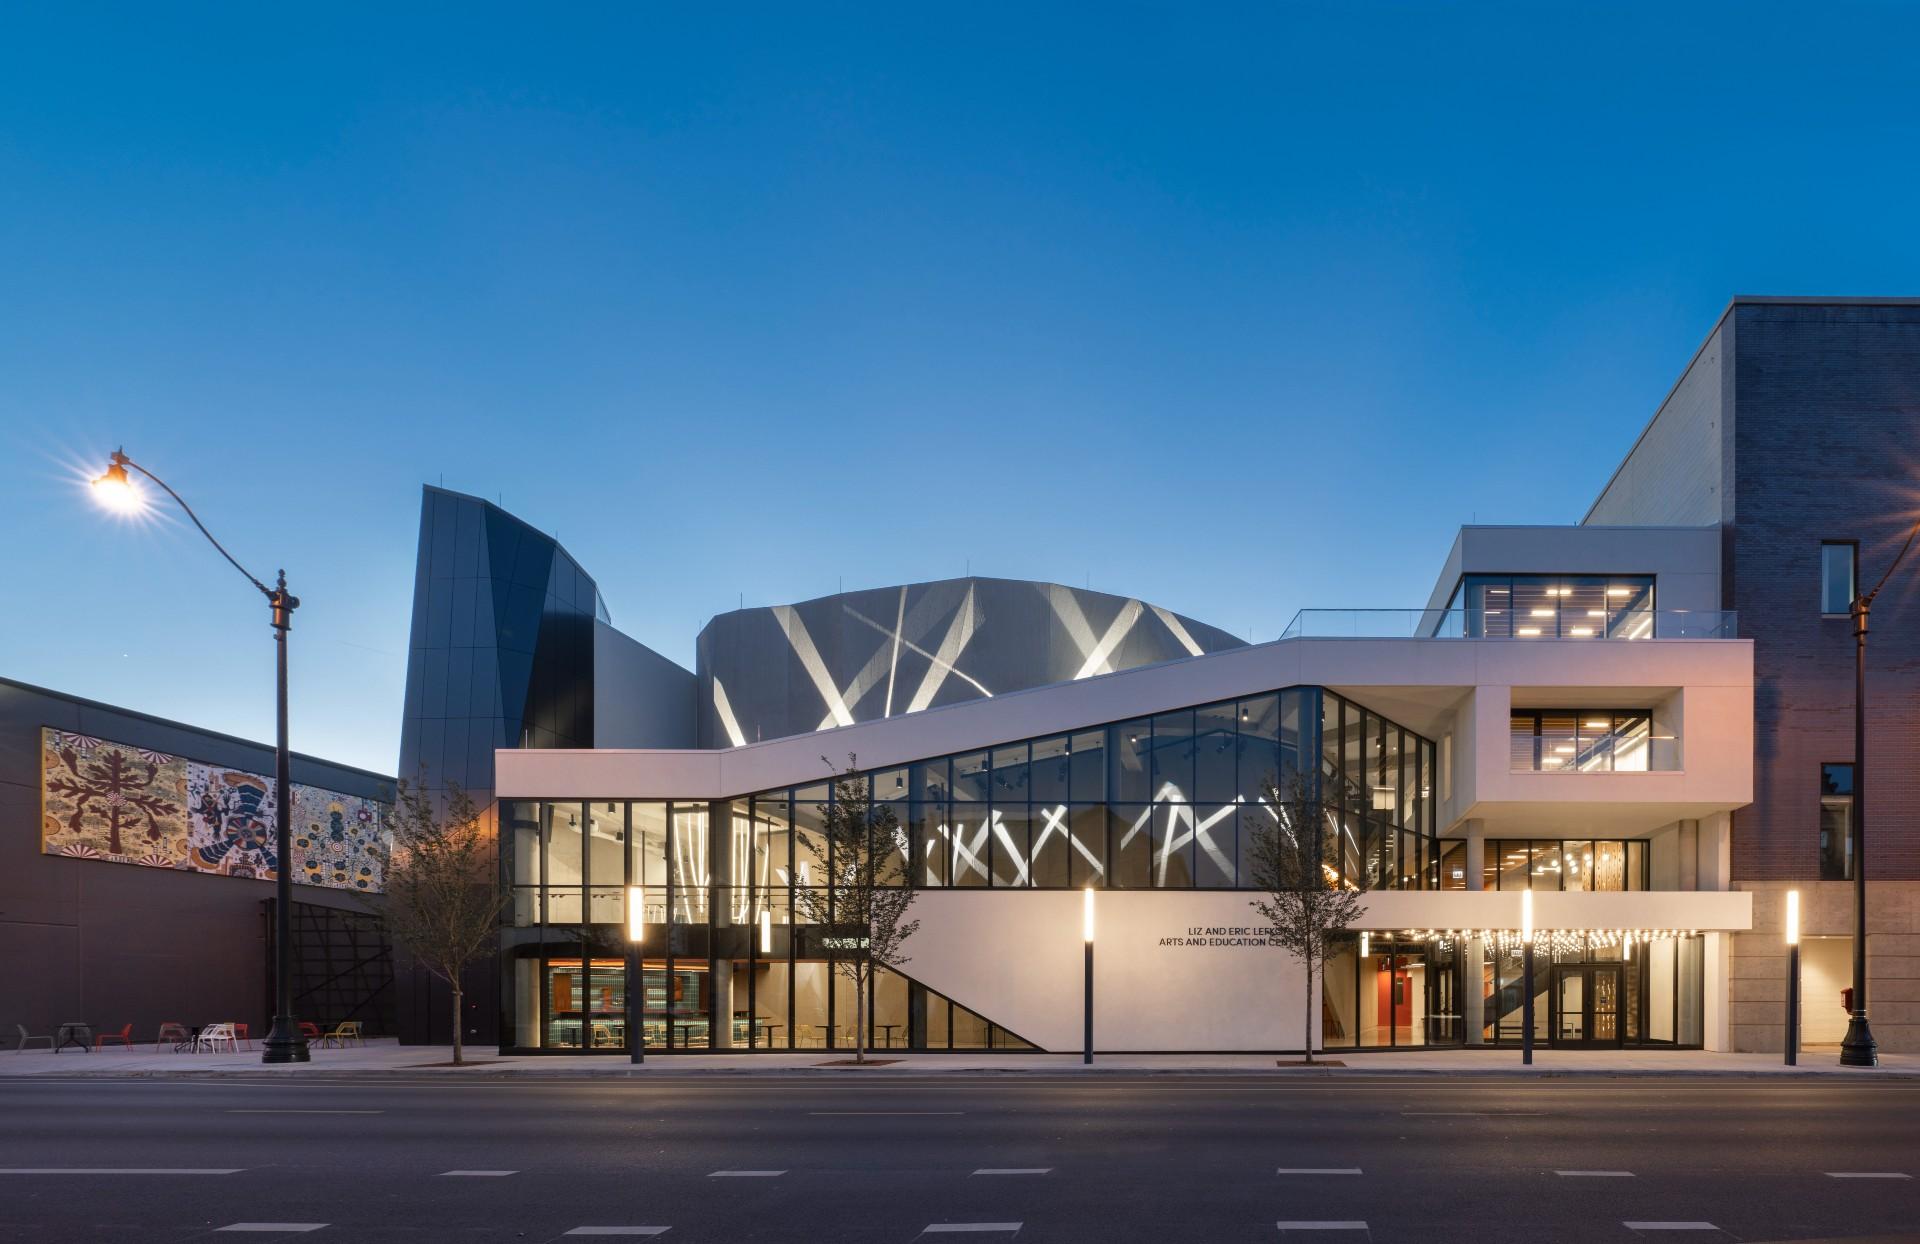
x=864, y=856
x=1304, y=902
x=442, y=905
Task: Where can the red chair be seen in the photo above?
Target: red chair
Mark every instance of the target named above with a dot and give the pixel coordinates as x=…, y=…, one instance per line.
x=240, y=1033
x=124, y=1037
x=310, y=1030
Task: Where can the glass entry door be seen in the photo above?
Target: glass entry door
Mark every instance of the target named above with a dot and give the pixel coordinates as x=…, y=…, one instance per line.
x=1586, y=1003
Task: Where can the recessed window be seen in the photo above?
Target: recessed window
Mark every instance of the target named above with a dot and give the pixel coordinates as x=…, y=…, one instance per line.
x=1836, y=822
x=1837, y=560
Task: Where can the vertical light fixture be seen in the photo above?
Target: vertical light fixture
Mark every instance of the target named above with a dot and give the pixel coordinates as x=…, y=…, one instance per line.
x=636, y=931
x=766, y=932
x=1086, y=933
x=1364, y=944
x=1793, y=977
x=1526, y=952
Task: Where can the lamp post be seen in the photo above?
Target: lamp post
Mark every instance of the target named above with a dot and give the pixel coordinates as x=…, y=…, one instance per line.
x=1859, y=1048
x=1793, y=977
x=1526, y=974
x=636, y=930
x=1086, y=932
x=285, y=1043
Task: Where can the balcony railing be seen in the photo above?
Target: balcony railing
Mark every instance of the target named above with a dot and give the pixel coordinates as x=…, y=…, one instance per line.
x=1499, y=624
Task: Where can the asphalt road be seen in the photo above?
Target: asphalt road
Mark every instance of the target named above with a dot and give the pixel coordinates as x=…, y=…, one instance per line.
x=1152, y=1158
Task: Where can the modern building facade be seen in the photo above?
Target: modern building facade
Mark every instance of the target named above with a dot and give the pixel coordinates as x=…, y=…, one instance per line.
x=137, y=875
x=1639, y=721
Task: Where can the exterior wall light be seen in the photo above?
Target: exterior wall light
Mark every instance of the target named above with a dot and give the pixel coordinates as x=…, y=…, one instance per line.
x=766, y=932
x=1086, y=933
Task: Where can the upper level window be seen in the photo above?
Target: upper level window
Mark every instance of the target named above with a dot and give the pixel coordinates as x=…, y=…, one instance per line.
x=1602, y=740
x=1837, y=558
x=1836, y=822
x=1542, y=606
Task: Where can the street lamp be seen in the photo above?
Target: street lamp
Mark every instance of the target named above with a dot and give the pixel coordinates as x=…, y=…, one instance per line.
x=636, y=930
x=1859, y=1048
x=1793, y=977
x=285, y=1043
x=1086, y=932
x=1526, y=1003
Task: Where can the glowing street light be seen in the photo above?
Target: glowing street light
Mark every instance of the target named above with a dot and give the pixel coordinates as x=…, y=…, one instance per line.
x=116, y=489
x=1526, y=1003
x=1793, y=977
x=636, y=933
x=1086, y=932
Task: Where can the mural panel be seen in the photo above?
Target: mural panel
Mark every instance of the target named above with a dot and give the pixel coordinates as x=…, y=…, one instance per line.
x=102, y=800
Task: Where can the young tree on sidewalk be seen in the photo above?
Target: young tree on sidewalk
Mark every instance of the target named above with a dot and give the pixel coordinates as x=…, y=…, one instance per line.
x=863, y=854
x=441, y=903
x=1303, y=901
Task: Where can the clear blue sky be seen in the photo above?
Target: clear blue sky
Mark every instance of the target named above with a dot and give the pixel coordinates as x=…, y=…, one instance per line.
x=1238, y=310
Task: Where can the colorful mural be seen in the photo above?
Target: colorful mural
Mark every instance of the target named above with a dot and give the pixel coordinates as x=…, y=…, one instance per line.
x=109, y=801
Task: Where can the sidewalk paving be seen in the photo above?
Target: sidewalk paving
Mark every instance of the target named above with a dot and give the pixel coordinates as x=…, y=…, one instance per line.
x=387, y=1057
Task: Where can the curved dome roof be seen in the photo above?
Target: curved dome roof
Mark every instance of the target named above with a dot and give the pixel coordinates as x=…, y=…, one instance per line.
x=781, y=670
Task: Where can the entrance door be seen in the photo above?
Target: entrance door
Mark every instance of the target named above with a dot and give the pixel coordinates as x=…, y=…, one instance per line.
x=1586, y=1003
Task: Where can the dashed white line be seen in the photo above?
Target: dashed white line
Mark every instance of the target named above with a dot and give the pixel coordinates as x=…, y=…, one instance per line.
x=1346, y=1225
x=1318, y=1170
x=883, y=1114
x=271, y=1228
x=743, y=1174
x=618, y=1231
x=1014, y=1170
x=1595, y=1174
x=1473, y=1114
x=1003, y=1227
x=1867, y=1175
x=478, y=1174
x=303, y=1112
x=1669, y=1226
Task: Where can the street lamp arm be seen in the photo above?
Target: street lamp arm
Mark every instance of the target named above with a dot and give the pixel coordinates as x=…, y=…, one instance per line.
x=121, y=459
x=1868, y=598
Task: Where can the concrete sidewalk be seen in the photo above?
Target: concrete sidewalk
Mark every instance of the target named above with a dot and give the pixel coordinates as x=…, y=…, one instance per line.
x=389, y=1058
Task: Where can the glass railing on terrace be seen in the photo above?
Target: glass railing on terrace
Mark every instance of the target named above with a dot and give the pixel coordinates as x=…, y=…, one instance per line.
x=1504, y=624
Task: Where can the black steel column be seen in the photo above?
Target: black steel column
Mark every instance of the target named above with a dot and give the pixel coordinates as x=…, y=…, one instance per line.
x=285, y=1043
x=1793, y=1004
x=1086, y=1054
x=1859, y=1049
x=636, y=1039
x=1526, y=1008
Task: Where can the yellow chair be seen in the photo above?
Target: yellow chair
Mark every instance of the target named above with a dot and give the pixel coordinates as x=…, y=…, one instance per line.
x=343, y=1032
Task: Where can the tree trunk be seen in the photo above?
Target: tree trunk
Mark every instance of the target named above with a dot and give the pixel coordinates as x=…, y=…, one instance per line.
x=457, y=1046
x=860, y=1017
x=1309, y=1010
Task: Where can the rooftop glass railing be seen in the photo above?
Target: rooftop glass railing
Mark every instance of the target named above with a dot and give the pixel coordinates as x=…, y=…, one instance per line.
x=1504, y=624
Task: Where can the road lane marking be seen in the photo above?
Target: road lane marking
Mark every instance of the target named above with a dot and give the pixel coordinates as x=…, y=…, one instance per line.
x=1005, y=1227
x=121, y=1170
x=743, y=1174
x=1473, y=1114
x=1014, y=1170
x=1596, y=1174
x=1669, y=1226
x=271, y=1228
x=303, y=1112
x=618, y=1231
x=478, y=1174
x=1318, y=1170
x=1347, y=1225
x=1867, y=1175
x=883, y=1114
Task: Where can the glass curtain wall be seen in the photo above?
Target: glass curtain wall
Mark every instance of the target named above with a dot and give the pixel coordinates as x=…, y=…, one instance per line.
x=1161, y=802
x=1564, y=864
x=1536, y=606
x=1584, y=740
